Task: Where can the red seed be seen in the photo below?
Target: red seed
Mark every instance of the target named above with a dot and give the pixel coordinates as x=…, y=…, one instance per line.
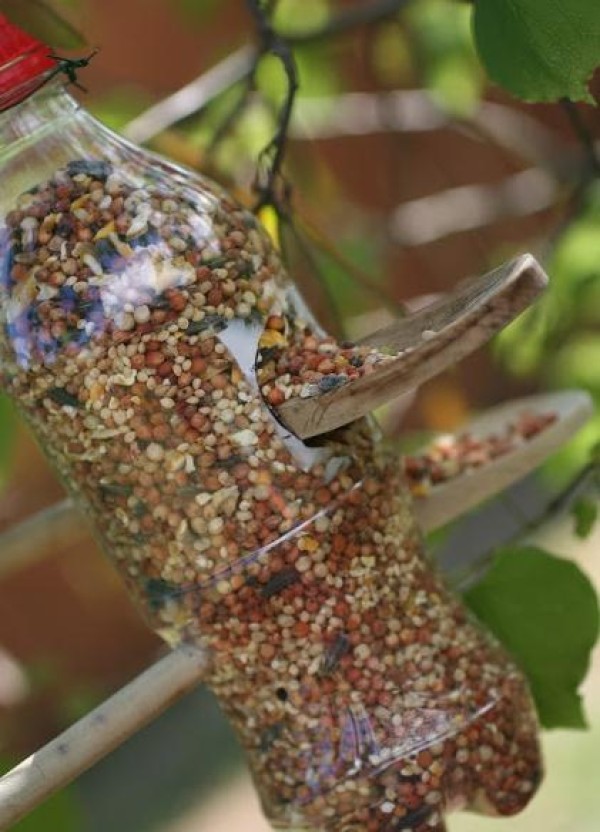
x=276, y=396
x=154, y=359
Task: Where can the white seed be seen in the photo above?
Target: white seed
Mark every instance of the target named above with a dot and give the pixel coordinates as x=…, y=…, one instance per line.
x=216, y=525
x=245, y=438
x=155, y=452
x=141, y=314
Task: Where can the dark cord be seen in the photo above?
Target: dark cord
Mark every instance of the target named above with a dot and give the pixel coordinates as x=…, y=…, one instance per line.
x=269, y=184
x=70, y=67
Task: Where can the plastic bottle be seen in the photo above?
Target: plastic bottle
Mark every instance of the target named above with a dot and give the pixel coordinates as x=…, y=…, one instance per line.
x=136, y=301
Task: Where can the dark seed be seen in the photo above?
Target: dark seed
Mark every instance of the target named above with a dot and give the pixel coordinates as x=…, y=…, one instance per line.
x=336, y=650
x=279, y=581
x=215, y=322
x=63, y=397
x=269, y=735
x=116, y=488
x=159, y=591
x=412, y=819
x=331, y=382
x=96, y=168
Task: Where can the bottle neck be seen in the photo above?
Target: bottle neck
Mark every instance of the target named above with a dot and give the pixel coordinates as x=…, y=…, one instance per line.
x=40, y=110
x=43, y=133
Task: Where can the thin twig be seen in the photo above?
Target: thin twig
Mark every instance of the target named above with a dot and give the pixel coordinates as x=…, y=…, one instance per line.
x=231, y=118
x=309, y=256
x=193, y=96
x=358, y=275
x=75, y=750
x=269, y=184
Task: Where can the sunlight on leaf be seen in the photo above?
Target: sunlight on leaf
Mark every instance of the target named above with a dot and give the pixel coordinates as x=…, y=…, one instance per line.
x=456, y=88
x=392, y=55
x=297, y=16
x=450, y=67
x=578, y=363
x=585, y=514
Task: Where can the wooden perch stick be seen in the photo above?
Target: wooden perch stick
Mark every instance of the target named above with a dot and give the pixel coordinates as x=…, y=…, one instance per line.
x=423, y=345
x=41, y=535
x=100, y=732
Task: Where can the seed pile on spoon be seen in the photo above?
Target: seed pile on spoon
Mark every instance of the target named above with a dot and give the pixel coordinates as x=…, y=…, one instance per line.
x=448, y=456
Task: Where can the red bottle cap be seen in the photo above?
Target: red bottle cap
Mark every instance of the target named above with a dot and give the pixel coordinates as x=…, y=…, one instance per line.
x=23, y=63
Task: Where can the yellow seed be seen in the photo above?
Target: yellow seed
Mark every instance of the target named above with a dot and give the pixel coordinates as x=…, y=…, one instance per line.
x=272, y=338
x=96, y=392
x=308, y=543
x=105, y=231
x=419, y=490
x=79, y=202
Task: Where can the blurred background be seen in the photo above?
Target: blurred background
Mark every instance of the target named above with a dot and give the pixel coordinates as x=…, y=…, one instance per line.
x=409, y=173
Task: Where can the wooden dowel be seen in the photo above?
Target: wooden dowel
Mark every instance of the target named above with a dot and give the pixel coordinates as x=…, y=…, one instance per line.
x=64, y=758
x=41, y=535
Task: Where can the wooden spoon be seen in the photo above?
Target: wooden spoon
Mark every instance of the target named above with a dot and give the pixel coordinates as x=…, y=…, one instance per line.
x=422, y=345
x=448, y=500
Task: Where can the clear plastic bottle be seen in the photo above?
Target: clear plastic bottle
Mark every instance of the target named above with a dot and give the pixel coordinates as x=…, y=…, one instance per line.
x=136, y=301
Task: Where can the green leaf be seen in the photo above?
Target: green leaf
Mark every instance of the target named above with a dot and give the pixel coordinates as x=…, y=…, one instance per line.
x=539, y=50
x=585, y=513
x=545, y=612
x=8, y=424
